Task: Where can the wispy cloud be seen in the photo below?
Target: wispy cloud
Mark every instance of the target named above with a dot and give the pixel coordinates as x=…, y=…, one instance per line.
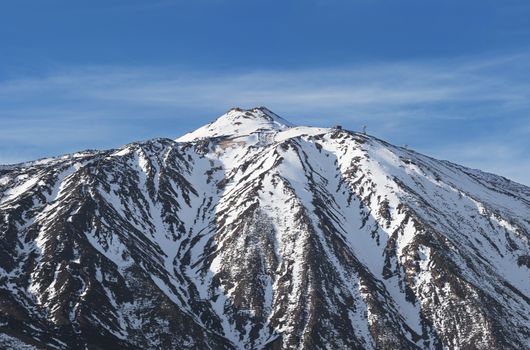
x=378, y=88
x=432, y=105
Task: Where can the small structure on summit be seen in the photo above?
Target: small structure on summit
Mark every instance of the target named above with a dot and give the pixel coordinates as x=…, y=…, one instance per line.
x=338, y=127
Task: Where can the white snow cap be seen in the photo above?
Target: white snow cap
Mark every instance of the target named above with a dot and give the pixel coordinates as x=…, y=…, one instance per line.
x=238, y=122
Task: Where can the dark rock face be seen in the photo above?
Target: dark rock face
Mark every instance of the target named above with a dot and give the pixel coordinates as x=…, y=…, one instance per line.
x=250, y=233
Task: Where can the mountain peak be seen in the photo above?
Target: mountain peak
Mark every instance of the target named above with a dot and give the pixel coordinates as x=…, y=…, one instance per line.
x=239, y=122
x=270, y=237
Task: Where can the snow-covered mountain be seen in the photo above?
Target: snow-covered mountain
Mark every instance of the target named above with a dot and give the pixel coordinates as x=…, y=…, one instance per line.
x=252, y=233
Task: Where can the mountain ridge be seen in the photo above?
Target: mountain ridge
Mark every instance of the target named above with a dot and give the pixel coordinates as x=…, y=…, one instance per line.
x=262, y=237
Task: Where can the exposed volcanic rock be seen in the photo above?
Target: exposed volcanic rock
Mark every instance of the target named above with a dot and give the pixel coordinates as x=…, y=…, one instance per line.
x=252, y=233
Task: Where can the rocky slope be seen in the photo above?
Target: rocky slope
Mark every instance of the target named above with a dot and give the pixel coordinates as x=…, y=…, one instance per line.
x=252, y=233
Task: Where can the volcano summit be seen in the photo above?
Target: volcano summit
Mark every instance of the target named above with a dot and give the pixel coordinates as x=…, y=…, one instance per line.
x=253, y=233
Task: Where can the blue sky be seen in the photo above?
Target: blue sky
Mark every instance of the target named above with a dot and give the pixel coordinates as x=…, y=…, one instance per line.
x=449, y=78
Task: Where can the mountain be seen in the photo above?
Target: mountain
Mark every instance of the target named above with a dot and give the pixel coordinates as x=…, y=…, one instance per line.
x=253, y=233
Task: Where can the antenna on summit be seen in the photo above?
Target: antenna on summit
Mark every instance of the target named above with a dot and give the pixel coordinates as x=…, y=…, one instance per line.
x=364, y=129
